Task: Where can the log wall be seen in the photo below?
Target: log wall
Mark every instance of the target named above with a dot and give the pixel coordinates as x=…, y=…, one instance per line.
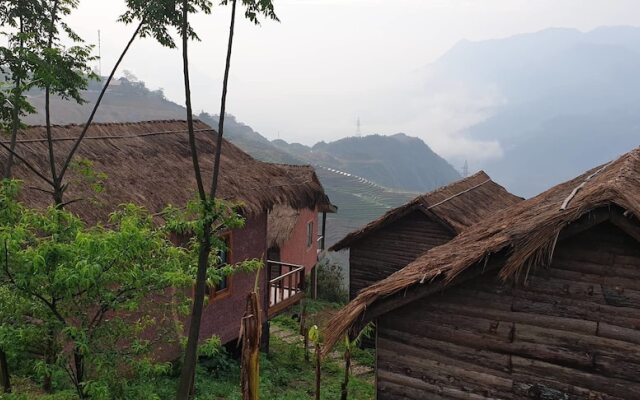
x=391, y=248
x=572, y=332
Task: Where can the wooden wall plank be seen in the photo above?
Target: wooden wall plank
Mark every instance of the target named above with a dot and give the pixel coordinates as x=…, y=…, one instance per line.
x=571, y=333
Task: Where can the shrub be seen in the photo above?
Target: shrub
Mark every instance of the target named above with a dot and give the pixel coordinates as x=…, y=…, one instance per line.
x=331, y=283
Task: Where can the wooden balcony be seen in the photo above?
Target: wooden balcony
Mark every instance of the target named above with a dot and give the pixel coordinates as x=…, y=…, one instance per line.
x=286, y=286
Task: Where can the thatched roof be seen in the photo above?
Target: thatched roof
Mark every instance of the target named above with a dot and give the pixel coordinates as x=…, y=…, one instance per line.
x=457, y=206
x=282, y=220
x=526, y=233
x=149, y=163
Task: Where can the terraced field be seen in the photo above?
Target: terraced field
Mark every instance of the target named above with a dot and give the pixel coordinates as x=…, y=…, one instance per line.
x=359, y=201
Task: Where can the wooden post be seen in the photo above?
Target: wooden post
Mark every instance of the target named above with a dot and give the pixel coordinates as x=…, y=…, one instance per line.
x=266, y=335
x=318, y=370
x=347, y=366
x=324, y=231
x=314, y=336
x=250, y=335
x=304, y=331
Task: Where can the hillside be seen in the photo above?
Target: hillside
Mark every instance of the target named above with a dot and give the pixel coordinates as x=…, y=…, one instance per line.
x=398, y=161
x=363, y=176
x=567, y=100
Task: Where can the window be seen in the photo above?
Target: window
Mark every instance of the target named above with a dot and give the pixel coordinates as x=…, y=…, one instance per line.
x=310, y=235
x=225, y=258
x=224, y=286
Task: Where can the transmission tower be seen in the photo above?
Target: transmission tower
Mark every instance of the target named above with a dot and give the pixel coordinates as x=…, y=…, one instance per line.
x=465, y=169
x=358, y=128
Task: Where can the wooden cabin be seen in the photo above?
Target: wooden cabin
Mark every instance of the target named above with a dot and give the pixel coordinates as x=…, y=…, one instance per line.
x=392, y=241
x=539, y=301
x=149, y=164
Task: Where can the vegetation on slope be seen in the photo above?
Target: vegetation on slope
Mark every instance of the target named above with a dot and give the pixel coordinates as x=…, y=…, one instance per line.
x=285, y=375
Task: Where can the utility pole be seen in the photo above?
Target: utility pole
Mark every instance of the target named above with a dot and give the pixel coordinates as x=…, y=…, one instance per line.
x=99, y=55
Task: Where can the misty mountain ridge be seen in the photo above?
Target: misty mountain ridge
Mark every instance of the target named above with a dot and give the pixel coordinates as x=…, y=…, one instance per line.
x=568, y=100
x=561, y=101
x=380, y=159
x=363, y=176
x=397, y=161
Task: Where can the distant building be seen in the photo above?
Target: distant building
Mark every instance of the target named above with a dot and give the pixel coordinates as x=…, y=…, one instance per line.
x=538, y=301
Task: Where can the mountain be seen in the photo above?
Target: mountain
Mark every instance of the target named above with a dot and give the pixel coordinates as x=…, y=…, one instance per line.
x=364, y=176
x=132, y=101
x=568, y=100
x=398, y=161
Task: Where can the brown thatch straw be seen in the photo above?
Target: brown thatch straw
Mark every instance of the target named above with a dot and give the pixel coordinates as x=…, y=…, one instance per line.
x=282, y=221
x=149, y=163
x=526, y=231
x=457, y=205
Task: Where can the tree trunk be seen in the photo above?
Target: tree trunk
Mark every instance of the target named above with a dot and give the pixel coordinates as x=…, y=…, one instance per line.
x=347, y=367
x=78, y=361
x=191, y=352
x=57, y=190
x=5, y=378
x=304, y=331
x=47, y=384
x=187, y=375
x=250, y=336
x=15, y=113
x=77, y=142
x=223, y=103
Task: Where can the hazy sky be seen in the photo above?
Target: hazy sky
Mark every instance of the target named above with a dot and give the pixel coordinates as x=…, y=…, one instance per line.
x=328, y=62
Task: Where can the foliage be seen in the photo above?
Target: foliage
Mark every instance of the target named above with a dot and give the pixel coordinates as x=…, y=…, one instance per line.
x=254, y=8
x=285, y=376
x=85, y=168
x=161, y=17
x=89, y=290
x=331, y=284
x=85, y=289
x=35, y=56
x=190, y=222
x=17, y=57
x=63, y=69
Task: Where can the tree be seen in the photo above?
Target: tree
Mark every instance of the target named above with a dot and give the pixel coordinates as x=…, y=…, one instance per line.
x=314, y=336
x=15, y=60
x=349, y=347
x=250, y=333
x=87, y=286
x=162, y=16
x=253, y=8
x=59, y=70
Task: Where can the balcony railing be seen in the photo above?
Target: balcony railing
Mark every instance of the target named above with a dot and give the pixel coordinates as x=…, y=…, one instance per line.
x=286, y=285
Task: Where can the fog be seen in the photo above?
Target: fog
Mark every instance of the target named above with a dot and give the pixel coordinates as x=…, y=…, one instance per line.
x=329, y=62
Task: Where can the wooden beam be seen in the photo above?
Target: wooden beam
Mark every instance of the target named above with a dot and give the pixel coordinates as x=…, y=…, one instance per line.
x=629, y=225
x=284, y=304
x=586, y=222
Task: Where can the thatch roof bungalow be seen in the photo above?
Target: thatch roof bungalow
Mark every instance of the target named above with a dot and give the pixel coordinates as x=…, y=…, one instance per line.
x=390, y=242
x=149, y=164
x=537, y=301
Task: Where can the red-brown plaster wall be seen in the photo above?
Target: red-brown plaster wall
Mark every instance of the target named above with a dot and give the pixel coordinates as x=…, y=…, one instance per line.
x=222, y=315
x=295, y=250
